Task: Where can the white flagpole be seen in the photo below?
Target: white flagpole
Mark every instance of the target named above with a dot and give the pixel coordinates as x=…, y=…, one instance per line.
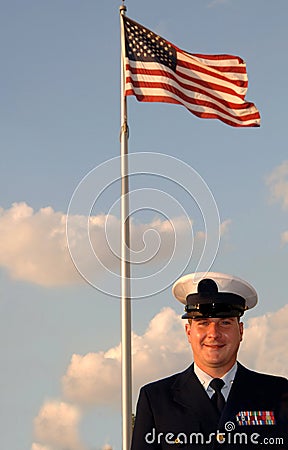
x=125, y=260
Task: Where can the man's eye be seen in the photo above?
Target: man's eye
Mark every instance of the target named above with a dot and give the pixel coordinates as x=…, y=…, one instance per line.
x=203, y=323
x=226, y=322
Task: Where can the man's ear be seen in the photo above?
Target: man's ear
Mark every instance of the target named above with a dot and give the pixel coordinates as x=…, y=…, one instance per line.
x=241, y=328
x=188, y=330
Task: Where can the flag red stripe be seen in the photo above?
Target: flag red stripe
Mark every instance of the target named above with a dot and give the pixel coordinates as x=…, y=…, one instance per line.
x=162, y=71
x=229, y=69
x=229, y=109
x=189, y=99
x=219, y=76
x=210, y=86
x=219, y=66
x=194, y=101
x=223, y=57
x=154, y=73
x=203, y=115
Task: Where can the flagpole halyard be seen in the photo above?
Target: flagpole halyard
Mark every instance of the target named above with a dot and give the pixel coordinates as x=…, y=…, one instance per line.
x=126, y=365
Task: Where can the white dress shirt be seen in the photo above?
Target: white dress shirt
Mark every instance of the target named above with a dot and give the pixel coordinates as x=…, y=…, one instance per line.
x=205, y=379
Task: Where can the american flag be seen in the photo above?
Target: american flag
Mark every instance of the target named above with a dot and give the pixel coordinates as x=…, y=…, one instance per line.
x=209, y=86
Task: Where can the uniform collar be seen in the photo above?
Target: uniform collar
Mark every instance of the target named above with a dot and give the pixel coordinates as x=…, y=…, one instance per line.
x=205, y=379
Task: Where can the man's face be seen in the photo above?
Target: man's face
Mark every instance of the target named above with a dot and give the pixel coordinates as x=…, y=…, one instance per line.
x=215, y=342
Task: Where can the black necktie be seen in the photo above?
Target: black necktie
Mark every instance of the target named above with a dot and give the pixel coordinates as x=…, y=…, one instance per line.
x=217, y=398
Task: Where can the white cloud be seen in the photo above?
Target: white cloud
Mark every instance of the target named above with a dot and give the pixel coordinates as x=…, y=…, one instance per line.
x=95, y=378
x=92, y=379
x=57, y=426
x=225, y=227
x=278, y=184
x=34, y=244
x=224, y=230
x=36, y=446
x=284, y=237
x=265, y=343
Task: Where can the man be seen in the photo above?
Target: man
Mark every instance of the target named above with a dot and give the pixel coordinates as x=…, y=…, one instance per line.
x=216, y=402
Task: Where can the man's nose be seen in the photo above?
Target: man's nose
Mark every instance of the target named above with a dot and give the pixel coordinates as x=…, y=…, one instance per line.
x=213, y=329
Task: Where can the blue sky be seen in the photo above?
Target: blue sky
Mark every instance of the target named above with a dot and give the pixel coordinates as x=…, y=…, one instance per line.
x=60, y=119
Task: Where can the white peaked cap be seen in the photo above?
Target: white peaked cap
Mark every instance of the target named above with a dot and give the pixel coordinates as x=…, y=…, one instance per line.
x=188, y=284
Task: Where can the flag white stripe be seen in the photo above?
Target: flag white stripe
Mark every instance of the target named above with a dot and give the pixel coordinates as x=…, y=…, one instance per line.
x=191, y=94
x=214, y=62
x=234, y=75
x=206, y=78
x=162, y=78
x=210, y=79
x=197, y=108
x=158, y=71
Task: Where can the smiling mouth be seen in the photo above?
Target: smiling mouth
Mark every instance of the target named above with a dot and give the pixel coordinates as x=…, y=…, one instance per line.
x=214, y=346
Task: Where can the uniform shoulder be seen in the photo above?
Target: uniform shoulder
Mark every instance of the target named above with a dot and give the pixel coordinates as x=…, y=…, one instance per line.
x=165, y=383
x=264, y=378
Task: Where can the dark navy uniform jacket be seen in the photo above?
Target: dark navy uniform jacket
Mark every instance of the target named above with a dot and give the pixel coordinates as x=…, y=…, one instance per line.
x=176, y=412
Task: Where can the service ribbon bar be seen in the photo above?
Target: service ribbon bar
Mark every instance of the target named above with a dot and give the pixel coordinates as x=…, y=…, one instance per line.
x=255, y=418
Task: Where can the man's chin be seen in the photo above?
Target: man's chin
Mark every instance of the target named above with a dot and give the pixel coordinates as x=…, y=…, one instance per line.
x=215, y=356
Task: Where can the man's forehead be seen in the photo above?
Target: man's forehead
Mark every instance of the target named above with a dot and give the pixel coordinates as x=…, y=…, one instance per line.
x=213, y=319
